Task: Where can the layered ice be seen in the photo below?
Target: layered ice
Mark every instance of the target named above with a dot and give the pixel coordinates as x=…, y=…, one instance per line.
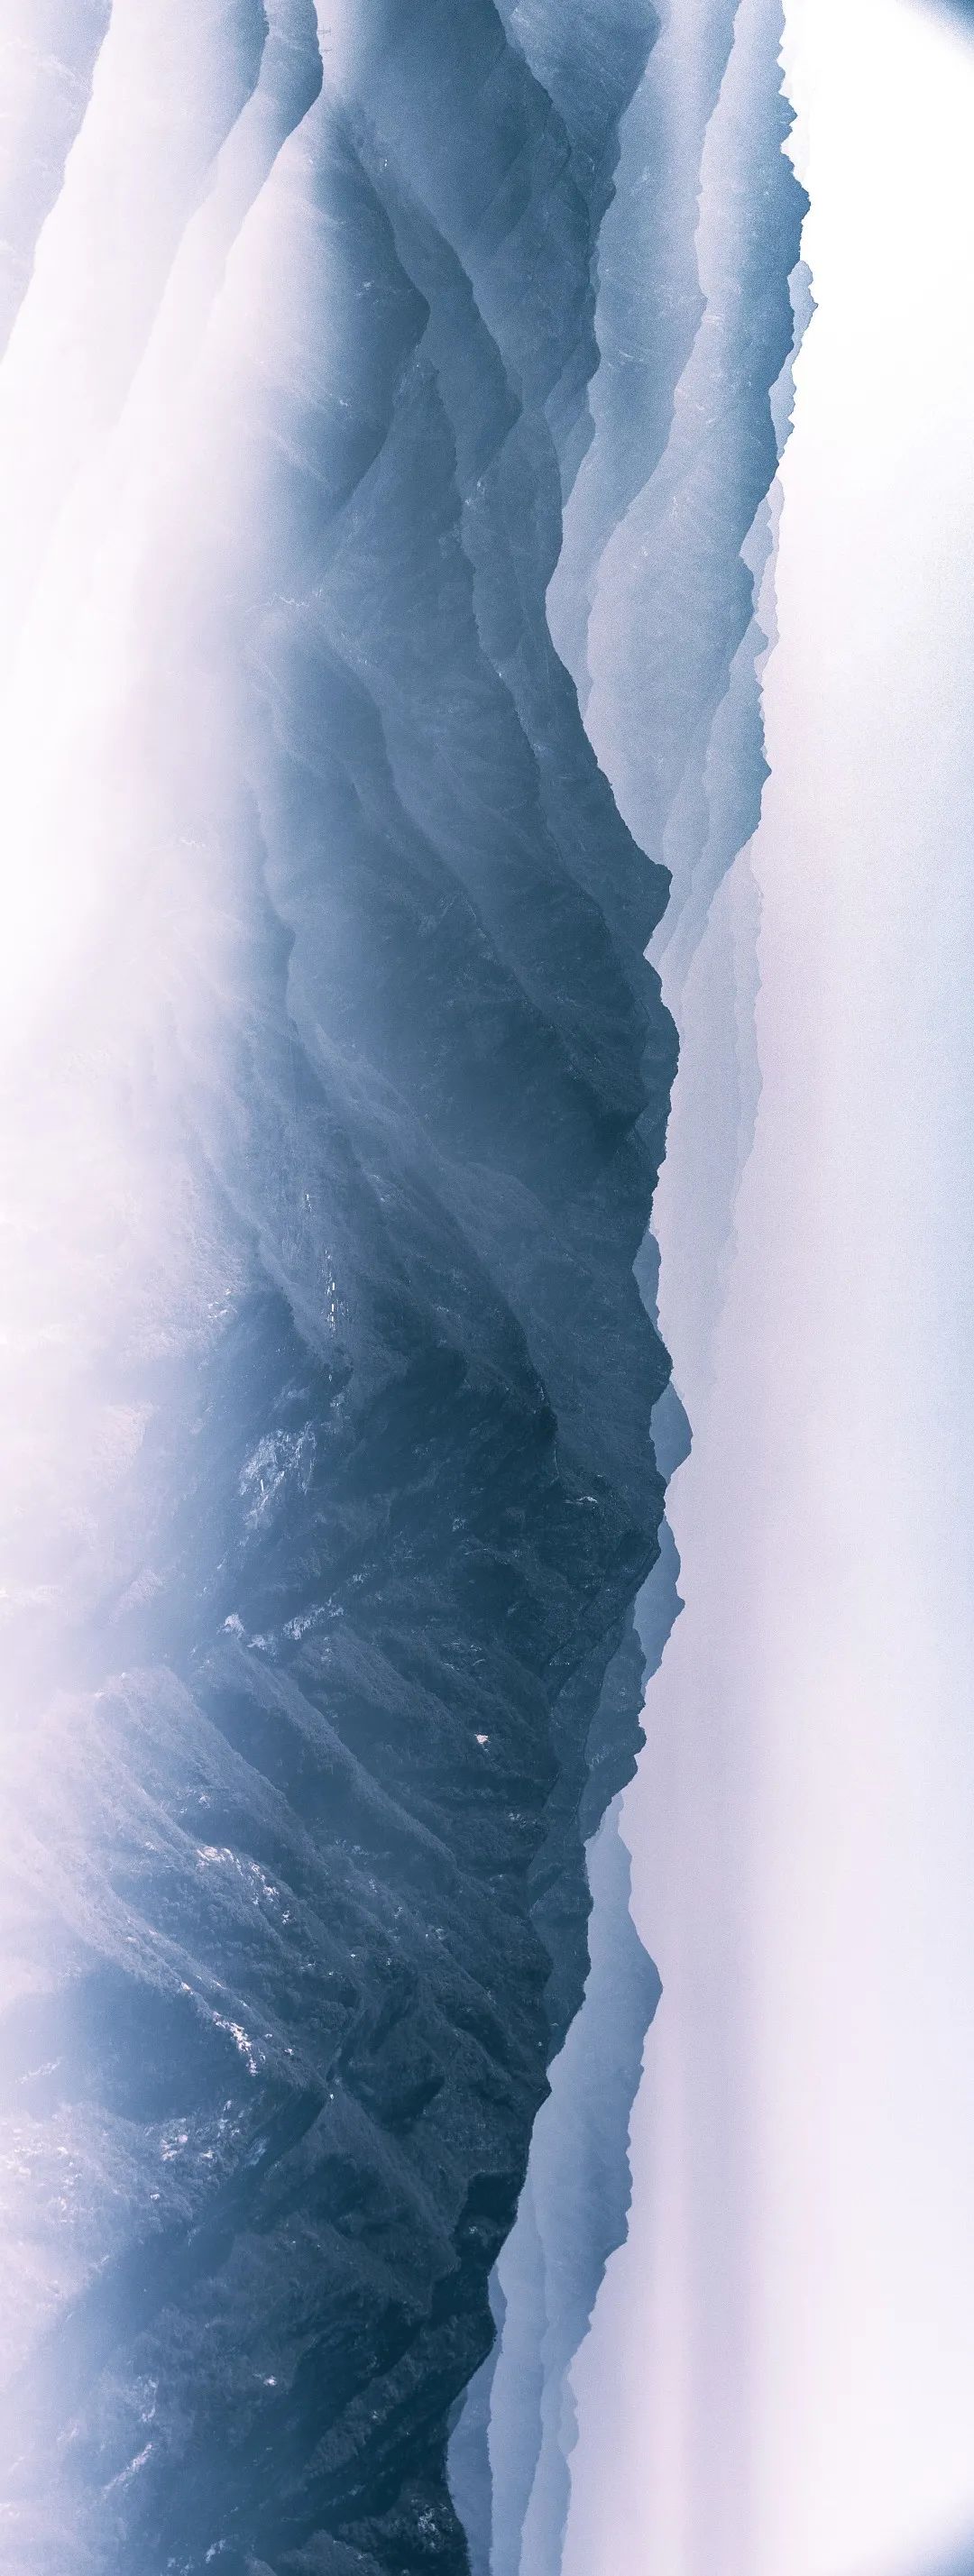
x=371, y=395
x=679, y=591
x=333, y=1091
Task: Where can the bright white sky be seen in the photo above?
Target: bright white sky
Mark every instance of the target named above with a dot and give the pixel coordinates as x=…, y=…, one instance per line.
x=780, y=2381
